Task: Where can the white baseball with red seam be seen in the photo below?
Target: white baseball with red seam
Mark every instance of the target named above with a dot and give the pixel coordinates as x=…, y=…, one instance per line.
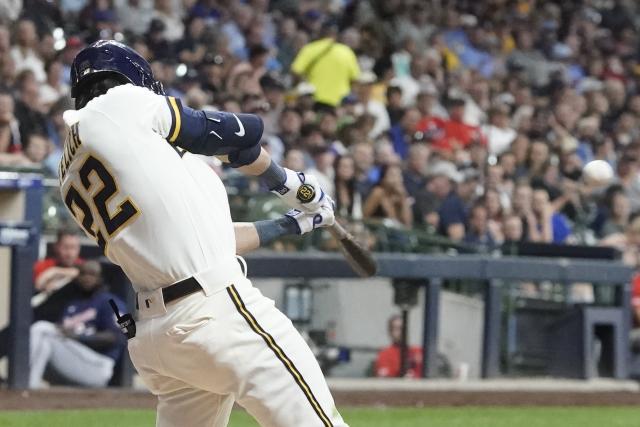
x=597, y=172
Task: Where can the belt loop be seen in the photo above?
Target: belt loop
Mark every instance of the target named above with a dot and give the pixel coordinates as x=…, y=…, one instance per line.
x=243, y=264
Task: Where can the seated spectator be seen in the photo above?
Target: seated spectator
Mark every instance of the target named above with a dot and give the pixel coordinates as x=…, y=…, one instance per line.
x=37, y=149
x=366, y=174
x=619, y=211
x=498, y=132
x=165, y=12
x=402, y=134
x=83, y=345
x=388, y=361
x=28, y=109
x=451, y=135
x=348, y=201
x=495, y=214
x=523, y=208
x=10, y=141
x=512, y=229
x=553, y=226
x=395, y=110
x=54, y=88
x=452, y=212
x=53, y=273
x=367, y=104
x=538, y=159
x=478, y=233
x=416, y=169
x=389, y=198
x=25, y=52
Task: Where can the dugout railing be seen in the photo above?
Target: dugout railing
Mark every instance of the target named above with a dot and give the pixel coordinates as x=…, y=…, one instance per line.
x=495, y=273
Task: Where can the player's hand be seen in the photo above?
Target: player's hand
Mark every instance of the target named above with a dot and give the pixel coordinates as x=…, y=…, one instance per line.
x=301, y=191
x=323, y=217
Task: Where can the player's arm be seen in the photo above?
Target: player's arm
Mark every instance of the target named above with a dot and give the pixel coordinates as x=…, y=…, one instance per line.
x=252, y=235
x=235, y=138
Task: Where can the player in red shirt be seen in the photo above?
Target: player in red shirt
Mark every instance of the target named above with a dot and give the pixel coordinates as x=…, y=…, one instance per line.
x=388, y=360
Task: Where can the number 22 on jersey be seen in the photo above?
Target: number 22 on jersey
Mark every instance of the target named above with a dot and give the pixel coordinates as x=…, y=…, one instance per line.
x=97, y=192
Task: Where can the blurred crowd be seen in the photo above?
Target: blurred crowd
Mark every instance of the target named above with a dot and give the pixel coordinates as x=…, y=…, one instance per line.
x=469, y=119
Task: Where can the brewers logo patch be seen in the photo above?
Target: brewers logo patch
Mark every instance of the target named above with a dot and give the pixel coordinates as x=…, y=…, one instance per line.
x=306, y=193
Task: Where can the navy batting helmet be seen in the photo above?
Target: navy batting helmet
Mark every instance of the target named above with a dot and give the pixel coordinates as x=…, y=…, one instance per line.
x=108, y=57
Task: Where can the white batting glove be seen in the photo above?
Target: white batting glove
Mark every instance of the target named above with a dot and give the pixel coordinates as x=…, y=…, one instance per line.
x=307, y=222
x=301, y=191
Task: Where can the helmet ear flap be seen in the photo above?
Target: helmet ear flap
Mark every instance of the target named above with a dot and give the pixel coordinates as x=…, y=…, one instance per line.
x=158, y=87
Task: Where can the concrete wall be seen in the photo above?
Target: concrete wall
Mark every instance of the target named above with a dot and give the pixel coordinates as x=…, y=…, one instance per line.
x=358, y=310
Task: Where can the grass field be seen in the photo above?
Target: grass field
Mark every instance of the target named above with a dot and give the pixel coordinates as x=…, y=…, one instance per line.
x=363, y=417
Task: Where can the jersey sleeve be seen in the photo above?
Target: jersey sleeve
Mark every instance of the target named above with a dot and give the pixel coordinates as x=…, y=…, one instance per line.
x=213, y=132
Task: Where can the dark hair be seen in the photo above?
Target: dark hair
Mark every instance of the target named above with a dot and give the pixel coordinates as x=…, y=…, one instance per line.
x=98, y=86
x=65, y=232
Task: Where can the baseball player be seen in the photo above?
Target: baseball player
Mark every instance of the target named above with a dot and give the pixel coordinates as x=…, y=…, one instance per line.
x=206, y=338
x=85, y=343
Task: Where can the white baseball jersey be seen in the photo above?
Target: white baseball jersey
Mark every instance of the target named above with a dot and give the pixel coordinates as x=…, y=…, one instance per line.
x=158, y=212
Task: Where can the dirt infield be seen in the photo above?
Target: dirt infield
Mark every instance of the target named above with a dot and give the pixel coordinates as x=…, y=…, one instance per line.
x=66, y=398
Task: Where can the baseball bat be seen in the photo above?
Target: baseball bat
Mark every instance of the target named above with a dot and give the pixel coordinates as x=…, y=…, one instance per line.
x=359, y=258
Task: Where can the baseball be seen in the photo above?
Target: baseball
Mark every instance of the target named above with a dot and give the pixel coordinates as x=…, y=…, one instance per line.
x=597, y=172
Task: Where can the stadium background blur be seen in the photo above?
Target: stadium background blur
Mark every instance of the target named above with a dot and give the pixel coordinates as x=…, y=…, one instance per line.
x=437, y=126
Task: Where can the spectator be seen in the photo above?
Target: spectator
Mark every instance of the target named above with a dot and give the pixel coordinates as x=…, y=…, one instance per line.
x=389, y=198
x=454, y=134
x=10, y=141
x=25, y=52
x=329, y=66
x=28, y=110
x=84, y=344
x=499, y=134
x=395, y=110
x=388, y=361
x=402, y=135
x=619, y=212
x=513, y=229
x=348, y=200
x=37, y=149
x=416, y=169
x=553, y=226
x=371, y=106
x=452, y=212
x=366, y=175
x=134, y=15
x=478, y=233
x=53, y=273
x=166, y=13
x=54, y=88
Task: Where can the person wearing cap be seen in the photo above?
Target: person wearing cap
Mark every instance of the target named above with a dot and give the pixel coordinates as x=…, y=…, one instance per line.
x=442, y=184
x=328, y=65
x=274, y=91
x=371, y=106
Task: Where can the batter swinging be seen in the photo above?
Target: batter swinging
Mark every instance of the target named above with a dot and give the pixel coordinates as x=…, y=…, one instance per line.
x=206, y=338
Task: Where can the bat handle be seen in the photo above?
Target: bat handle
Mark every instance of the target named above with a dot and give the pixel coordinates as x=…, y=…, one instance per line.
x=338, y=231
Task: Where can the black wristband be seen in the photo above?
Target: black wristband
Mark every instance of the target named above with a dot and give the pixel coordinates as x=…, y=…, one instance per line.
x=274, y=177
x=270, y=230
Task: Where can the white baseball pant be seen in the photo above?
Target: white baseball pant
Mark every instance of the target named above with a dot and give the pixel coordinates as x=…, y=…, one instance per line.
x=73, y=360
x=201, y=354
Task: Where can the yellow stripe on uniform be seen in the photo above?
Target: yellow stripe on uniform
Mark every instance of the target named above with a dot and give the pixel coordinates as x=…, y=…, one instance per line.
x=288, y=364
x=176, y=110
